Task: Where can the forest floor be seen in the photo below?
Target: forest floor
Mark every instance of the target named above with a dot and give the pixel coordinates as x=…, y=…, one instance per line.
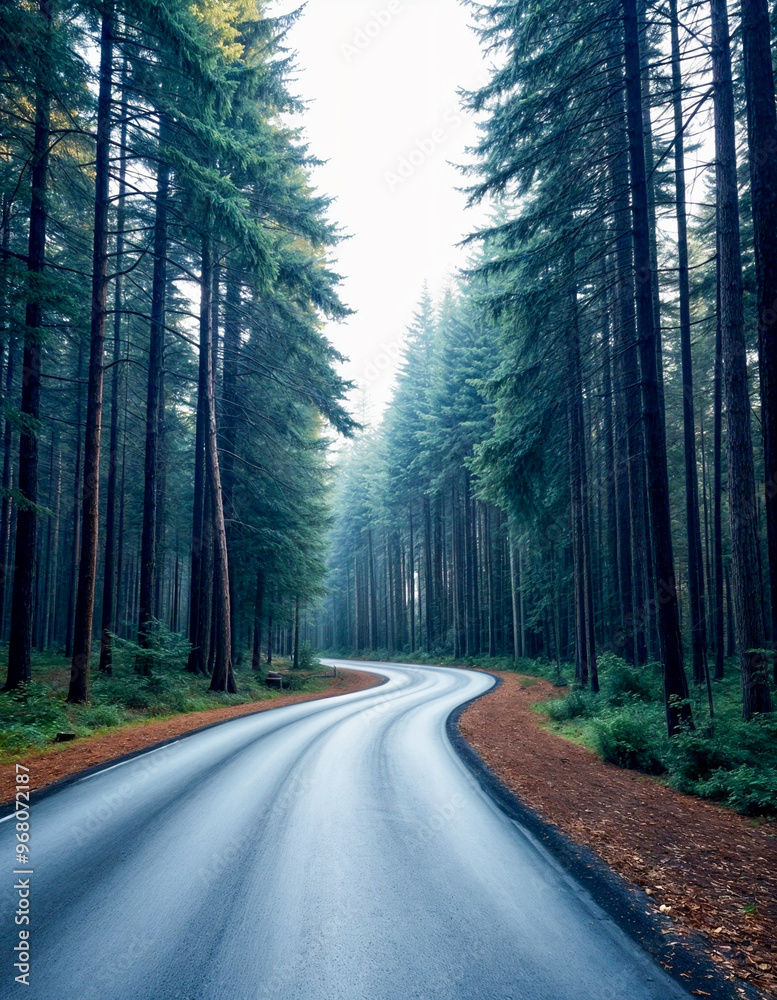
x=49, y=766
x=712, y=870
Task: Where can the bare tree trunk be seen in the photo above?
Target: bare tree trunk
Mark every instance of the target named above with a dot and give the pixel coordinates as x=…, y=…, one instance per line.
x=429, y=588
x=197, y=663
x=695, y=565
x=75, y=553
x=762, y=142
x=411, y=581
x=5, y=509
x=160, y=528
x=258, y=613
x=373, y=597
x=90, y=510
x=223, y=677
x=109, y=570
x=608, y=434
x=628, y=461
x=20, y=641
x=585, y=653
x=153, y=403
x=717, y=501
x=230, y=402
x=295, y=647
x=51, y=612
x=678, y=709
x=44, y=569
x=746, y=577
x=176, y=610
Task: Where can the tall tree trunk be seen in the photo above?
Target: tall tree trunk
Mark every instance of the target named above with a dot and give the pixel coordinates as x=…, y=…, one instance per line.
x=5, y=508
x=455, y=569
x=762, y=142
x=411, y=581
x=109, y=565
x=160, y=529
x=373, y=597
x=629, y=465
x=730, y=627
x=717, y=501
x=120, y=561
x=429, y=582
x=51, y=613
x=45, y=552
x=295, y=647
x=7, y=339
x=176, y=611
x=230, y=403
x=492, y=570
x=675, y=682
x=256, y=660
x=608, y=434
x=197, y=662
x=90, y=509
x=223, y=677
x=148, y=553
x=19, y=646
x=695, y=566
x=647, y=127
x=746, y=577
x=585, y=654
x=75, y=553
x=705, y=502
x=514, y=602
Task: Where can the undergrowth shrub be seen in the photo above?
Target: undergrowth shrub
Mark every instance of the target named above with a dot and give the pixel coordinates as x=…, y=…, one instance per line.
x=30, y=717
x=627, y=737
x=101, y=716
x=734, y=762
x=18, y=738
x=574, y=706
x=307, y=659
x=166, y=650
x=693, y=755
x=749, y=790
x=621, y=683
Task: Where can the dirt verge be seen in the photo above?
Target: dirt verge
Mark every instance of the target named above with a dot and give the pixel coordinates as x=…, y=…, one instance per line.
x=50, y=766
x=713, y=871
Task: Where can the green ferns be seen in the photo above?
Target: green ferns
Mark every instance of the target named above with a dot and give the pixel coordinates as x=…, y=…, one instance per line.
x=730, y=761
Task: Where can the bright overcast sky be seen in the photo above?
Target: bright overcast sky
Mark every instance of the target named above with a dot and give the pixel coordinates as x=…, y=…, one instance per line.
x=381, y=77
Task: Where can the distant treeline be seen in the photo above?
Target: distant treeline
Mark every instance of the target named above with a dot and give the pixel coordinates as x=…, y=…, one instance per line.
x=581, y=452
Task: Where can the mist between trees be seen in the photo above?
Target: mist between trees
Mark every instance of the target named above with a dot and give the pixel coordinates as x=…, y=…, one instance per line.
x=581, y=453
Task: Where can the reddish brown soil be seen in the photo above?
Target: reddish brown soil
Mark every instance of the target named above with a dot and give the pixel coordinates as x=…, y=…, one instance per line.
x=715, y=869
x=53, y=765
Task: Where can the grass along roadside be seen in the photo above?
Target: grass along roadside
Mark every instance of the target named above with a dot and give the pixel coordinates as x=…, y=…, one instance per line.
x=726, y=760
x=32, y=718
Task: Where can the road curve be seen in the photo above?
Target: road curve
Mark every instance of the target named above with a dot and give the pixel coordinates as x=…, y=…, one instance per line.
x=332, y=850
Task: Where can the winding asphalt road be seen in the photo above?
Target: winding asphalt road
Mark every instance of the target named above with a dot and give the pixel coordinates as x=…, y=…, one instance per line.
x=333, y=850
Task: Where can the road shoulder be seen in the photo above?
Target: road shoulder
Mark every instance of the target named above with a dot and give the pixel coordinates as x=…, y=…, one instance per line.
x=634, y=844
